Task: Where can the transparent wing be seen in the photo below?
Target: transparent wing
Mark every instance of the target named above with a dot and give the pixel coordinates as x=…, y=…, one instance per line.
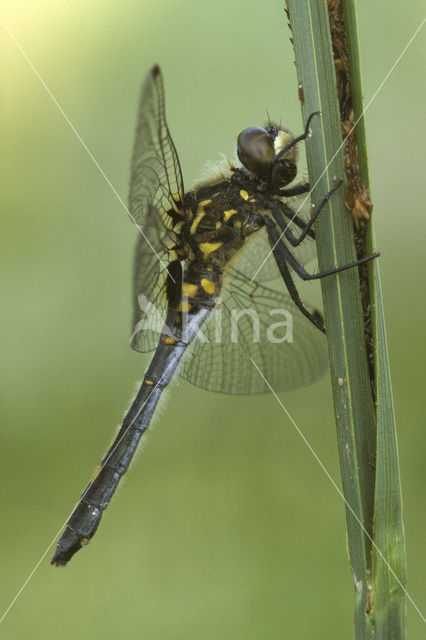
x=255, y=254
x=256, y=258
x=149, y=276
x=156, y=177
x=257, y=322
x=156, y=187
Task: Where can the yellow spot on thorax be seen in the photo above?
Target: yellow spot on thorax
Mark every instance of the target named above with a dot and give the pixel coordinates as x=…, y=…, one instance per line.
x=184, y=306
x=189, y=289
x=168, y=340
x=207, y=285
x=218, y=225
x=149, y=382
x=230, y=212
x=200, y=214
x=244, y=194
x=196, y=221
x=208, y=247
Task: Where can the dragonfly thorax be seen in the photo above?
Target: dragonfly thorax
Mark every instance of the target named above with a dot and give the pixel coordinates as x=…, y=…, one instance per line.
x=217, y=227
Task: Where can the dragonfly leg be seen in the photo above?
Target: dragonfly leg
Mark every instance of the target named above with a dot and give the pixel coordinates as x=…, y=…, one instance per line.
x=297, y=190
x=303, y=136
x=278, y=208
x=276, y=244
x=285, y=254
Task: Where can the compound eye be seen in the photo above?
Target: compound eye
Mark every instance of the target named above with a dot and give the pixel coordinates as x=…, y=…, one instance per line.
x=255, y=149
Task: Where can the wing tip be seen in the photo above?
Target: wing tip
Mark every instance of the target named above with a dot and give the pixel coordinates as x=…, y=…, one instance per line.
x=155, y=70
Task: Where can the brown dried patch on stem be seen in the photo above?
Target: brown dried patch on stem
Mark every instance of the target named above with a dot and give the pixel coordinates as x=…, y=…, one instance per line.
x=357, y=199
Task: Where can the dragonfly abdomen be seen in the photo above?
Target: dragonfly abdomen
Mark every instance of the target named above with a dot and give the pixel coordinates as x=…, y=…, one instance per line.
x=86, y=517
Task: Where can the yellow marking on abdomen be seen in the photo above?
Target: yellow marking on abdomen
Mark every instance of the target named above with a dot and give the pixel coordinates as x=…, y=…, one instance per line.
x=244, y=194
x=230, y=212
x=196, y=221
x=208, y=247
x=189, y=289
x=218, y=225
x=207, y=285
x=149, y=382
x=168, y=340
x=185, y=306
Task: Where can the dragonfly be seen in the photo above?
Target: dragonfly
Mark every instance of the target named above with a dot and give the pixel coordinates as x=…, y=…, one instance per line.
x=195, y=301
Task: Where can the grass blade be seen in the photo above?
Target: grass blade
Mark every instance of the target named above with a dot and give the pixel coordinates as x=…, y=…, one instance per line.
x=370, y=477
x=388, y=580
x=351, y=385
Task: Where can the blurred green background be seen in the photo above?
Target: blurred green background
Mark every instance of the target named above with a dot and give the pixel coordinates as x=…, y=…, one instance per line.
x=225, y=527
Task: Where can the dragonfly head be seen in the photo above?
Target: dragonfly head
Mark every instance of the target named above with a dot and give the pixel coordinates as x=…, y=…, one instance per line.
x=262, y=152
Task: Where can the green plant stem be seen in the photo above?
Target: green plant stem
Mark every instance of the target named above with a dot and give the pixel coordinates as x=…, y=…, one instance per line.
x=389, y=566
x=353, y=401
